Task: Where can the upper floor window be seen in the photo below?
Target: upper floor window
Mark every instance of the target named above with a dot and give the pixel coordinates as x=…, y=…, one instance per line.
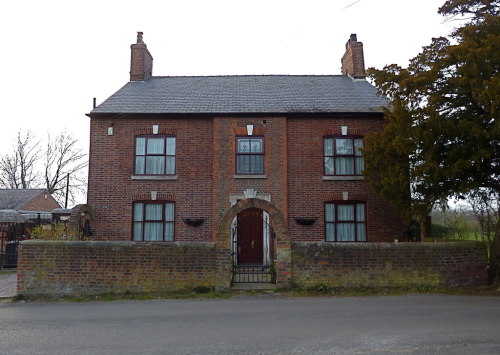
x=345, y=222
x=250, y=155
x=154, y=221
x=343, y=156
x=154, y=155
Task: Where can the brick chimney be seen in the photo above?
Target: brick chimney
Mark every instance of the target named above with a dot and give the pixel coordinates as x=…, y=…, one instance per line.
x=353, y=61
x=141, y=62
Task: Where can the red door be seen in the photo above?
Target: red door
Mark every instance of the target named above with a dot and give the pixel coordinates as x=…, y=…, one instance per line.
x=250, y=237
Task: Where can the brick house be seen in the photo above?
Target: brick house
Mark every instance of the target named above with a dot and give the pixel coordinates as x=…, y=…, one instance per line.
x=252, y=163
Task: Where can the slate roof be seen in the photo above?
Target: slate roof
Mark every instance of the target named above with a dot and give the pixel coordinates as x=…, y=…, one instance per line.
x=245, y=94
x=16, y=198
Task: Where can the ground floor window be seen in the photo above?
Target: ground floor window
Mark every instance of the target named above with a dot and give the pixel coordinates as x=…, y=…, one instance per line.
x=345, y=221
x=153, y=221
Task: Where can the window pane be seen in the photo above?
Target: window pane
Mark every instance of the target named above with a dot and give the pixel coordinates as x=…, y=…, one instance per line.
x=153, y=231
x=153, y=212
x=360, y=212
x=139, y=165
x=343, y=146
x=330, y=232
x=138, y=209
x=361, y=232
x=358, y=143
x=155, y=165
x=140, y=146
x=329, y=212
x=243, y=164
x=156, y=145
x=328, y=146
x=243, y=145
x=360, y=165
x=345, y=212
x=169, y=231
x=137, y=231
x=256, y=164
x=169, y=211
x=170, y=165
x=329, y=166
x=171, y=146
x=345, y=232
x=256, y=145
x=344, y=166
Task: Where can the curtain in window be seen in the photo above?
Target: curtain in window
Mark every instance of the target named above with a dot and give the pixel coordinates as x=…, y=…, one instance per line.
x=343, y=146
x=155, y=165
x=256, y=164
x=170, y=165
x=138, y=218
x=344, y=166
x=360, y=217
x=243, y=162
x=153, y=212
x=156, y=146
x=153, y=231
x=329, y=219
x=171, y=146
x=345, y=231
x=140, y=146
x=328, y=146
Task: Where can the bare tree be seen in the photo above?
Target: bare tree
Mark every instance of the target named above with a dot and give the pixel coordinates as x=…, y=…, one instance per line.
x=18, y=168
x=63, y=167
x=486, y=206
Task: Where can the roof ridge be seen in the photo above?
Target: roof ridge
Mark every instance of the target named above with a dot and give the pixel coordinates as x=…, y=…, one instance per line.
x=245, y=75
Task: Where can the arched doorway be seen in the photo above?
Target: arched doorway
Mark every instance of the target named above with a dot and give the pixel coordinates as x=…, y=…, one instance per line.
x=253, y=247
x=225, y=257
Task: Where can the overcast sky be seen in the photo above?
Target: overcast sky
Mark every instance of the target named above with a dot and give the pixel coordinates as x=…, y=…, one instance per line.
x=57, y=55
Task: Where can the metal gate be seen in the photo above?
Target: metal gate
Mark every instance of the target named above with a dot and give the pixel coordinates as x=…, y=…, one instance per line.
x=254, y=273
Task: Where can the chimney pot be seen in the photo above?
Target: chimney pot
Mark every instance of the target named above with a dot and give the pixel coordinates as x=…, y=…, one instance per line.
x=139, y=37
x=354, y=38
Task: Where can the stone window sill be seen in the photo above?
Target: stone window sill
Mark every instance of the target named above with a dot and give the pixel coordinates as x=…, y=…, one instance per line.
x=154, y=177
x=250, y=176
x=343, y=178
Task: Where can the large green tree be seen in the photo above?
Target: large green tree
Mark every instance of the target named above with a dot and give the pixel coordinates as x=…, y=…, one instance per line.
x=442, y=132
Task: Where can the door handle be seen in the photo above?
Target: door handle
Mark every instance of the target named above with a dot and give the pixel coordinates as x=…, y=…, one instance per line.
x=252, y=244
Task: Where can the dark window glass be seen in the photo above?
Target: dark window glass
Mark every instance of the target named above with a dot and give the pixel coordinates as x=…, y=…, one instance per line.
x=345, y=222
x=153, y=221
x=250, y=155
x=342, y=156
x=154, y=155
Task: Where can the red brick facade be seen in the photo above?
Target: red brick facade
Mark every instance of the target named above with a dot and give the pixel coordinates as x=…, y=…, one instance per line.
x=206, y=174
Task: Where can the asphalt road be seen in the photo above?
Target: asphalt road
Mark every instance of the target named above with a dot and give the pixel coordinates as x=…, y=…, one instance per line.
x=414, y=324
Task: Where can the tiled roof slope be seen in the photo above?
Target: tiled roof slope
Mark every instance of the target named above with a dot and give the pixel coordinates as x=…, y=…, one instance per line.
x=245, y=94
x=16, y=198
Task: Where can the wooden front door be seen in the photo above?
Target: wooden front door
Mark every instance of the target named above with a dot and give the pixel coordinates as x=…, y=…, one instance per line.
x=250, y=249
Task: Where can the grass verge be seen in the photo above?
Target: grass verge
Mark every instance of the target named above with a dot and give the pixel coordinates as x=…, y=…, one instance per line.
x=316, y=291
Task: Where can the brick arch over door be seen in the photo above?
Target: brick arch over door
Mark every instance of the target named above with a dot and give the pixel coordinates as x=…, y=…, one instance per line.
x=283, y=243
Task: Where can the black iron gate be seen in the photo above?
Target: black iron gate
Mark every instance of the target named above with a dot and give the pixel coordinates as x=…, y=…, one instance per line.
x=254, y=273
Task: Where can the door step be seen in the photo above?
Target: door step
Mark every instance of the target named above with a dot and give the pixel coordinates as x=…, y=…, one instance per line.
x=251, y=286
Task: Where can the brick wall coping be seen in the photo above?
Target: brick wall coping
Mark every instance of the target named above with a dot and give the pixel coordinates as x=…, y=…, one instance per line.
x=347, y=245
x=114, y=244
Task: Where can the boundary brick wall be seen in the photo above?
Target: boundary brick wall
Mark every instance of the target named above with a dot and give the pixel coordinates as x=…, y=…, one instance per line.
x=56, y=268
x=389, y=264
